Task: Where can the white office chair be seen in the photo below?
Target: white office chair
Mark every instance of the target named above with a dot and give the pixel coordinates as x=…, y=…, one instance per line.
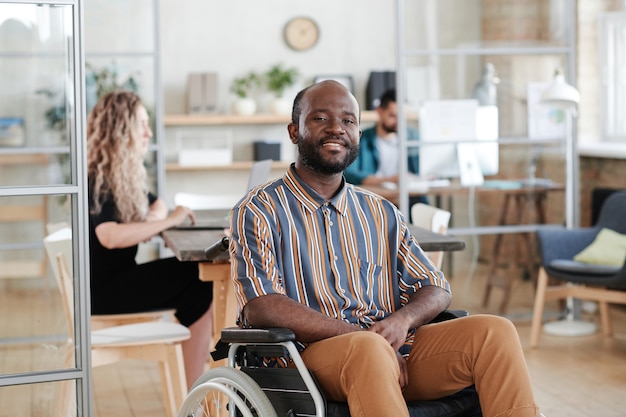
x=158, y=341
x=434, y=219
x=101, y=321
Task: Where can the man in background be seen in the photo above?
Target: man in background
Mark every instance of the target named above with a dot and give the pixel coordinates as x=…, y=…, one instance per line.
x=377, y=162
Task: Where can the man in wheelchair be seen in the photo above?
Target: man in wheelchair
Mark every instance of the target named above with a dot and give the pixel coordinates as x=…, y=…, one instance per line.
x=337, y=265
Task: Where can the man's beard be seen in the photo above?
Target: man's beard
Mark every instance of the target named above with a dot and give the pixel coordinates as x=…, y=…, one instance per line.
x=389, y=129
x=312, y=158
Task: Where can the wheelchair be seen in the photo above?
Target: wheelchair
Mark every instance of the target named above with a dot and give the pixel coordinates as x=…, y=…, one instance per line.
x=244, y=388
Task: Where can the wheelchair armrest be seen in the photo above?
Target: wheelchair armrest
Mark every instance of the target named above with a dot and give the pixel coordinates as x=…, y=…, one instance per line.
x=271, y=335
x=281, y=334
x=449, y=315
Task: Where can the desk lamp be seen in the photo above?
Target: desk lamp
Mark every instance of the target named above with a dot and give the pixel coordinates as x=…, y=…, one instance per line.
x=566, y=97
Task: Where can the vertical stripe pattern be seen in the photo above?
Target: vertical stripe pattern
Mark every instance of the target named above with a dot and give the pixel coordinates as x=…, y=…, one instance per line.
x=350, y=257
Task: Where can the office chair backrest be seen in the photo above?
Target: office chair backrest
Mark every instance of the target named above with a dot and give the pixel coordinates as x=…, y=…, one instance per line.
x=613, y=212
x=59, y=241
x=59, y=249
x=67, y=291
x=433, y=219
x=598, y=197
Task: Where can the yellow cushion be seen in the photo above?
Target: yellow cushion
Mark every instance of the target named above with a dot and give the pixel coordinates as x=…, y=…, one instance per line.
x=608, y=248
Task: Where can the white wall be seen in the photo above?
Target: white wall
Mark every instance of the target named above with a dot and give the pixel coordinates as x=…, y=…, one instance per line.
x=234, y=37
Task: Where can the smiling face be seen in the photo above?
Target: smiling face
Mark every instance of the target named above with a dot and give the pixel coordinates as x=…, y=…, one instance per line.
x=327, y=132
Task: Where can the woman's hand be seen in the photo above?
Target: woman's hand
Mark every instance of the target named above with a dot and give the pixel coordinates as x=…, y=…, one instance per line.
x=180, y=214
x=113, y=235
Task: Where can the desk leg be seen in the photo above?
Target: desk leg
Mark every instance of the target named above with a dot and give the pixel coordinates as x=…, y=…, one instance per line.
x=507, y=282
x=540, y=208
x=224, y=302
x=523, y=239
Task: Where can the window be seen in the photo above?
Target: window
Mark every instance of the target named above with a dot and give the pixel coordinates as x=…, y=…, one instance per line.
x=612, y=55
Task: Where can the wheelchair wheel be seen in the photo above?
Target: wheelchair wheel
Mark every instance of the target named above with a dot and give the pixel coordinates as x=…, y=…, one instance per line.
x=225, y=392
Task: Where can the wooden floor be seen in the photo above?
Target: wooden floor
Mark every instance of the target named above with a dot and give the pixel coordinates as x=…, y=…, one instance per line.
x=573, y=377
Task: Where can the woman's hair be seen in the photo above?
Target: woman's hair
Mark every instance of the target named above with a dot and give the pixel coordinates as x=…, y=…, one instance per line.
x=115, y=167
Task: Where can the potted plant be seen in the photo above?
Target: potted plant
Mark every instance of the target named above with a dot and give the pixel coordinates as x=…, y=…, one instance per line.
x=277, y=80
x=101, y=81
x=243, y=87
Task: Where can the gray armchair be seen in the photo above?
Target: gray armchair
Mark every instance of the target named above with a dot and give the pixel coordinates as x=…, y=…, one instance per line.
x=602, y=283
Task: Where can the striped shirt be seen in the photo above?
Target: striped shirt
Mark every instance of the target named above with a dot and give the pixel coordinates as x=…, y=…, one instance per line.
x=351, y=257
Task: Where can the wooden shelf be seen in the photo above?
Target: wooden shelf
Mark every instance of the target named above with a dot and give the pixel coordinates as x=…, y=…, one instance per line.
x=235, y=166
x=223, y=119
x=24, y=159
x=255, y=119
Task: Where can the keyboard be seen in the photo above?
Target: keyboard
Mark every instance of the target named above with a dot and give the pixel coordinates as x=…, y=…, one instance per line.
x=537, y=182
x=438, y=183
x=418, y=186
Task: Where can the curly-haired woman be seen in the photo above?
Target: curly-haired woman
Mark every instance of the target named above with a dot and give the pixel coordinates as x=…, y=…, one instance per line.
x=123, y=213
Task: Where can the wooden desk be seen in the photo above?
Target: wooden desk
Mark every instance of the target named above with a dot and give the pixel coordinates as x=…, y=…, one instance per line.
x=189, y=245
x=456, y=189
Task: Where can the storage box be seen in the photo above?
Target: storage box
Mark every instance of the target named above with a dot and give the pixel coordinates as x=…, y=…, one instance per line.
x=205, y=157
x=195, y=149
x=266, y=150
x=11, y=131
x=202, y=93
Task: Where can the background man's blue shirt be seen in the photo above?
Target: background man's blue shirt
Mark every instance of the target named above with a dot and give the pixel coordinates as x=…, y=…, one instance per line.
x=367, y=162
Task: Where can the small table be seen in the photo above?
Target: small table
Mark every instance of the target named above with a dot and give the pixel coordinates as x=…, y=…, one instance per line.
x=189, y=245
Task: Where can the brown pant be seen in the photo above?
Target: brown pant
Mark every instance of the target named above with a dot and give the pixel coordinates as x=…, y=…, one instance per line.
x=362, y=369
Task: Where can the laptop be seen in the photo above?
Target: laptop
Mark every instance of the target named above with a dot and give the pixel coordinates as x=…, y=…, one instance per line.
x=212, y=211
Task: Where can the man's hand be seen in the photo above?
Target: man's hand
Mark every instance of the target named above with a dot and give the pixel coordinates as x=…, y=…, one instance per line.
x=404, y=371
x=393, y=329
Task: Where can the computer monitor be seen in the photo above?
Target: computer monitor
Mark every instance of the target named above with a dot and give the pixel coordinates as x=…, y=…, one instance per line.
x=453, y=121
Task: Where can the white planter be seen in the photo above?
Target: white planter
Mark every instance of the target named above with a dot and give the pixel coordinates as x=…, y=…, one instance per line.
x=244, y=106
x=280, y=106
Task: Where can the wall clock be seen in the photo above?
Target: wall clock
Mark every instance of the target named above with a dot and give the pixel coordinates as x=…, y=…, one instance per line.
x=301, y=33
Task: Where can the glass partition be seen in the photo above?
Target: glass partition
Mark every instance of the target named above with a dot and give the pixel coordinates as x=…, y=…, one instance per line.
x=132, y=22
x=43, y=361
x=32, y=315
x=36, y=81
x=612, y=34
x=479, y=24
x=48, y=399
x=502, y=55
